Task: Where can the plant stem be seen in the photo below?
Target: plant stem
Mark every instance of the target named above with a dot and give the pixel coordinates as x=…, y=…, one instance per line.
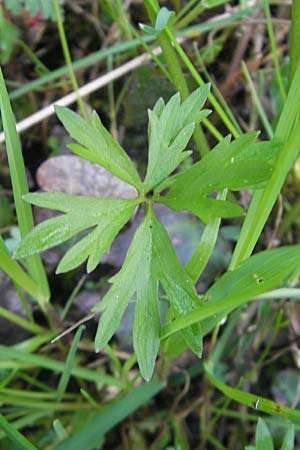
x=274, y=50
x=67, y=56
x=294, y=39
x=257, y=102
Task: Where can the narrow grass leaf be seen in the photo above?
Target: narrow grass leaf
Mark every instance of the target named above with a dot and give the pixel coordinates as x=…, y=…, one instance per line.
x=256, y=275
x=93, y=431
x=20, y=186
x=263, y=202
x=17, y=274
x=19, y=440
x=203, y=251
x=65, y=377
x=253, y=401
x=8, y=354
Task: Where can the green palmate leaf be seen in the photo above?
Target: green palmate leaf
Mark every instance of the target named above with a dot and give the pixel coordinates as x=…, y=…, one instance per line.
x=100, y=145
x=146, y=332
x=150, y=259
x=170, y=129
x=134, y=277
x=204, y=208
x=176, y=283
x=107, y=215
x=263, y=436
x=237, y=165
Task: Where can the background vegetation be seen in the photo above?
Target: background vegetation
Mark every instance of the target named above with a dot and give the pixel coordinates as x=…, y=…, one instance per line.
x=121, y=56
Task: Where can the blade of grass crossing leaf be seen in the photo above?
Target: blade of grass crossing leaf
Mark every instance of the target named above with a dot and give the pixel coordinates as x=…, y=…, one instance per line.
x=11, y=354
x=18, y=320
x=263, y=201
x=20, y=187
x=63, y=382
x=253, y=401
x=16, y=273
x=28, y=420
x=19, y=440
x=258, y=274
x=93, y=431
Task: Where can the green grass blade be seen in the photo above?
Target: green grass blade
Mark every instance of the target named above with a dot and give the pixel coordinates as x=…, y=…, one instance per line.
x=204, y=249
x=274, y=49
x=90, y=435
x=254, y=401
x=257, y=275
x=20, y=441
x=68, y=60
x=20, y=186
x=257, y=102
x=263, y=201
x=18, y=320
x=17, y=274
x=28, y=420
x=8, y=354
x=294, y=39
x=122, y=47
x=63, y=382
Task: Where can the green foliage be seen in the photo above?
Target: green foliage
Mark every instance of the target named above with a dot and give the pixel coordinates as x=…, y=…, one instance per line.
x=170, y=129
x=151, y=260
x=98, y=146
x=9, y=37
x=162, y=19
x=264, y=441
x=107, y=215
x=33, y=7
